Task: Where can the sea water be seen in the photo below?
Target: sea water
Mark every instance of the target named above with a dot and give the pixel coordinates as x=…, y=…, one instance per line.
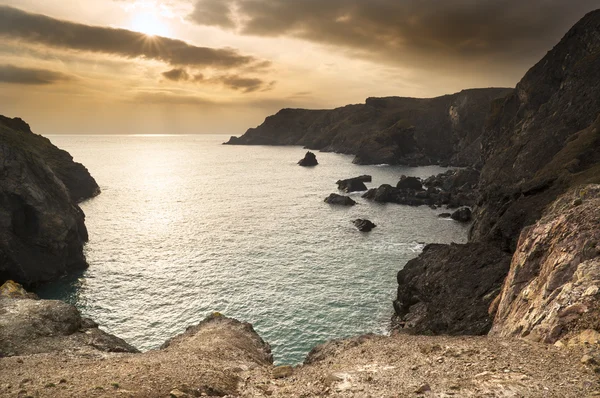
x=185, y=226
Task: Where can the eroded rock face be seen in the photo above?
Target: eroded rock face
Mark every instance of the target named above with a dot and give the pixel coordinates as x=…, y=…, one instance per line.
x=449, y=288
x=552, y=291
x=31, y=326
x=42, y=229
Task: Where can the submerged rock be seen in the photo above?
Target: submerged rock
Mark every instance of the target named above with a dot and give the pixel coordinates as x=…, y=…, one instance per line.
x=355, y=184
x=335, y=199
x=310, y=159
x=363, y=225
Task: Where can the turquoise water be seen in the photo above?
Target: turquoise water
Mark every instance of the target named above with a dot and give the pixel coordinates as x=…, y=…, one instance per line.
x=185, y=227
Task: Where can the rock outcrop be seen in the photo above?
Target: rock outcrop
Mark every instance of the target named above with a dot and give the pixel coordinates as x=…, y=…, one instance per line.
x=32, y=326
x=42, y=229
x=391, y=130
x=356, y=184
x=309, y=160
x=449, y=288
x=364, y=225
x=340, y=200
x=552, y=291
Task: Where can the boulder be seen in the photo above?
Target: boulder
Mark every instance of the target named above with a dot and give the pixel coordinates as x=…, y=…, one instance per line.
x=363, y=225
x=310, y=159
x=410, y=183
x=335, y=199
x=463, y=214
x=356, y=184
x=449, y=288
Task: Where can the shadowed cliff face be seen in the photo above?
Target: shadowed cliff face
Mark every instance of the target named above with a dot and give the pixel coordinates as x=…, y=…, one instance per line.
x=543, y=138
x=390, y=130
x=42, y=229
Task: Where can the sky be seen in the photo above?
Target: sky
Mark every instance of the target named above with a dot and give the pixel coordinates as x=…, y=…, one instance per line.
x=222, y=66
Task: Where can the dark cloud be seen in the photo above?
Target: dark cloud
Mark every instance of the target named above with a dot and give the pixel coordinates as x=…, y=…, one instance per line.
x=235, y=82
x=241, y=83
x=177, y=75
x=16, y=75
x=432, y=34
x=40, y=29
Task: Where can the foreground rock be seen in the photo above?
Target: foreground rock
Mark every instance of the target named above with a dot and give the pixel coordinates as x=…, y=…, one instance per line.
x=224, y=357
x=340, y=200
x=552, y=291
x=449, y=288
x=356, y=184
x=42, y=229
x=31, y=326
x=309, y=160
x=364, y=225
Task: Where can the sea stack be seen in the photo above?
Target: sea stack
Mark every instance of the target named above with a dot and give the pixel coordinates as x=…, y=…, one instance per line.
x=310, y=159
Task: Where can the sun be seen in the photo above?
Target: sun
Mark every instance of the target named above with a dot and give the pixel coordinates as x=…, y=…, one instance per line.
x=149, y=23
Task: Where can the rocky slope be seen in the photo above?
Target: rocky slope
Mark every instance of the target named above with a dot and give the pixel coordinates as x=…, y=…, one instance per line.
x=391, y=130
x=224, y=357
x=42, y=229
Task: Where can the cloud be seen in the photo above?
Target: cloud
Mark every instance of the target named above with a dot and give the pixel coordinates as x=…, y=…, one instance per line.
x=431, y=34
x=17, y=75
x=232, y=81
x=39, y=29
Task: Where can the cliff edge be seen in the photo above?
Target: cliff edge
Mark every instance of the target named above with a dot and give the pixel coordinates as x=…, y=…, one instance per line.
x=42, y=228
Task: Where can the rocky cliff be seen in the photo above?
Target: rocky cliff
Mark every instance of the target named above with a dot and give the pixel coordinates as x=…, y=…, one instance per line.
x=540, y=141
x=391, y=130
x=42, y=229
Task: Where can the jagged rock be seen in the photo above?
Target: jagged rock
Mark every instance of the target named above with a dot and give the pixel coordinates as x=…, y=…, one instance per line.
x=310, y=159
x=449, y=288
x=463, y=214
x=29, y=326
x=335, y=199
x=363, y=225
x=557, y=261
x=393, y=130
x=410, y=183
x=42, y=229
x=355, y=184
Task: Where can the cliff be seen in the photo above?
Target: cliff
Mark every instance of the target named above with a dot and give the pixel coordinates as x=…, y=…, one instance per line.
x=225, y=357
x=42, y=229
x=391, y=130
x=540, y=142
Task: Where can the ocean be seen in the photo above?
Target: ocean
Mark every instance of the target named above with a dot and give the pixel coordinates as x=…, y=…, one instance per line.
x=186, y=226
